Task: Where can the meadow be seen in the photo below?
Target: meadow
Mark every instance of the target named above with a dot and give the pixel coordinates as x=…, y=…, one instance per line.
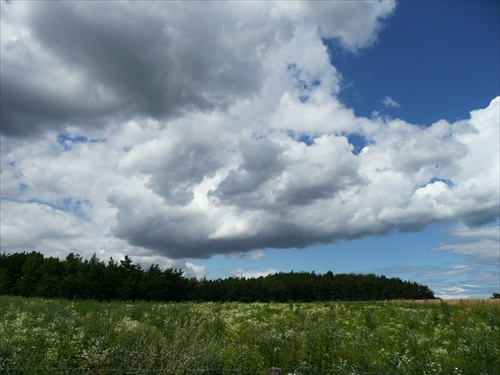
x=44, y=336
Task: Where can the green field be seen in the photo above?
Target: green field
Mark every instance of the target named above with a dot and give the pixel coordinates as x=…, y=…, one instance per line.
x=40, y=336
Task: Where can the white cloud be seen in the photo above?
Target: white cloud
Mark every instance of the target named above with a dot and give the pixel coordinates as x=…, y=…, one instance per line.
x=186, y=194
x=196, y=271
x=491, y=233
x=450, y=281
x=353, y=23
x=480, y=245
x=390, y=102
x=475, y=272
x=252, y=272
x=92, y=64
x=251, y=255
x=200, y=149
x=23, y=229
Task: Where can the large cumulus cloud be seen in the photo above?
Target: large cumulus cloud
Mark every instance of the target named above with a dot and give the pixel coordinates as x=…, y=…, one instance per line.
x=277, y=191
x=187, y=130
x=92, y=63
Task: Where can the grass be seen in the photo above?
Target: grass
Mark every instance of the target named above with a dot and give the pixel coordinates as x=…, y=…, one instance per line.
x=40, y=336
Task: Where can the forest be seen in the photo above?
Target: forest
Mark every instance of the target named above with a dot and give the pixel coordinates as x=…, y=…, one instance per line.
x=75, y=278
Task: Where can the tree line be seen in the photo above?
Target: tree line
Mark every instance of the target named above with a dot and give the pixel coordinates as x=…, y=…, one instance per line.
x=31, y=274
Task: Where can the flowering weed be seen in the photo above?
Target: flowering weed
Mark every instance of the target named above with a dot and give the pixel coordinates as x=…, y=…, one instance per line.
x=54, y=337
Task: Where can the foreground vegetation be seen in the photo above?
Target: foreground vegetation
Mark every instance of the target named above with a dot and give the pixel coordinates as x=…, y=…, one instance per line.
x=33, y=275
x=39, y=336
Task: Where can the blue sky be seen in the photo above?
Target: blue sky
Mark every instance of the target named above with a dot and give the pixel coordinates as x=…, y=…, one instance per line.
x=437, y=59
x=245, y=138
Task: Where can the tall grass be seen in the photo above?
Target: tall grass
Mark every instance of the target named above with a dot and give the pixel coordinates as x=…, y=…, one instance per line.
x=54, y=337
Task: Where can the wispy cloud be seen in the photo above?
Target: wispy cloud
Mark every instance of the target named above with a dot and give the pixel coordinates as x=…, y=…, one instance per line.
x=475, y=273
x=480, y=245
x=391, y=103
x=452, y=281
x=251, y=255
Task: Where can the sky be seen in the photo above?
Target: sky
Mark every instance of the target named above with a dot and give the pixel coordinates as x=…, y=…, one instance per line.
x=247, y=138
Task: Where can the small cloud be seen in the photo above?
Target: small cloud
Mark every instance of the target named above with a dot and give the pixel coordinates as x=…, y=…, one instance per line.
x=390, y=102
x=197, y=271
x=253, y=255
x=252, y=272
